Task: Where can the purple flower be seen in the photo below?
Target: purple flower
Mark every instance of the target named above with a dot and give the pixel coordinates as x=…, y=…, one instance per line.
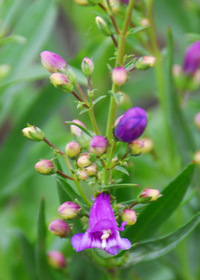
x=192, y=58
x=103, y=232
x=52, y=61
x=131, y=124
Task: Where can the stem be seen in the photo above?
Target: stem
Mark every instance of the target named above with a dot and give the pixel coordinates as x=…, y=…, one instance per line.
x=54, y=147
x=80, y=190
x=112, y=17
x=89, y=83
x=114, y=41
x=113, y=105
x=124, y=156
x=159, y=76
x=93, y=121
x=81, y=100
x=64, y=175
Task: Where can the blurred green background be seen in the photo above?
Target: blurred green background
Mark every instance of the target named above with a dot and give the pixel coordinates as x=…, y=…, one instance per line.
x=26, y=96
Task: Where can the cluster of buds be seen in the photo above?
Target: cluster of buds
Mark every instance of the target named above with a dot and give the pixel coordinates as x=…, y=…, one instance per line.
x=62, y=75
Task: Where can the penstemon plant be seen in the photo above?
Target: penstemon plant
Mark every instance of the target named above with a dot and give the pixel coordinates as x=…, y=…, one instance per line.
x=114, y=233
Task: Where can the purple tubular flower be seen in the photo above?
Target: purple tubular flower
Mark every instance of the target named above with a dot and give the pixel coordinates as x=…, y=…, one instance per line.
x=192, y=58
x=52, y=61
x=103, y=232
x=131, y=124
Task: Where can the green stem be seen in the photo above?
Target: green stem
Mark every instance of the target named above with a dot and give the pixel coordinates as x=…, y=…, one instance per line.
x=113, y=105
x=80, y=190
x=160, y=77
x=93, y=121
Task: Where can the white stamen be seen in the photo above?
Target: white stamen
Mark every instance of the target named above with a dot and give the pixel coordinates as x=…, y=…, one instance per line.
x=105, y=235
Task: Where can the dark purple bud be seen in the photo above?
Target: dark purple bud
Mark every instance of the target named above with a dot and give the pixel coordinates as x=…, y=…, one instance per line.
x=98, y=145
x=131, y=124
x=192, y=58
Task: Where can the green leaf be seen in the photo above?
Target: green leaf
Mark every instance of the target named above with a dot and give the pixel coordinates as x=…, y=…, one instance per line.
x=98, y=99
x=178, y=125
x=137, y=29
x=122, y=169
x=81, y=127
x=119, y=186
x=156, y=213
x=27, y=251
x=148, y=251
x=42, y=267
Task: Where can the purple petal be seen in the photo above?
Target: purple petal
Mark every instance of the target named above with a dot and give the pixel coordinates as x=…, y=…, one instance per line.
x=116, y=243
x=192, y=58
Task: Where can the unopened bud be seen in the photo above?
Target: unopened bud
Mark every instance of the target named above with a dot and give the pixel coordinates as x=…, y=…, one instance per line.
x=129, y=216
x=148, y=195
x=59, y=228
x=84, y=160
x=177, y=70
x=131, y=124
x=69, y=210
x=61, y=81
x=98, y=145
x=33, y=133
x=119, y=75
x=52, y=62
x=103, y=25
x=197, y=120
x=145, y=62
x=56, y=259
x=82, y=174
x=73, y=149
x=148, y=145
x=125, y=101
x=87, y=66
x=197, y=157
x=45, y=167
x=75, y=130
x=136, y=147
x=92, y=170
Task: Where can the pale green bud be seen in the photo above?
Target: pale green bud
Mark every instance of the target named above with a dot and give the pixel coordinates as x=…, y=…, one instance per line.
x=61, y=81
x=129, y=216
x=87, y=66
x=33, y=133
x=103, y=26
x=73, y=149
x=45, y=167
x=145, y=62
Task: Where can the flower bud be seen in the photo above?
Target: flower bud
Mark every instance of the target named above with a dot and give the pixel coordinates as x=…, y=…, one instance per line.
x=197, y=120
x=197, y=157
x=192, y=58
x=129, y=216
x=82, y=174
x=98, y=145
x=103, y=26
x=136, y=147
x=56, y=259
x=87, y=66
x=52, y=61
x=75, y=130
x=145, y=62
x=148, y=195
x=59, y=228
x=45, y=167
x=33, y=133
x=73, y=149
x=131, y=124
x=92, y=170
x=69, y=210
x=119, y=75
x=84, y=160
x=125, y=101
x=61, y=81
x=148, y=145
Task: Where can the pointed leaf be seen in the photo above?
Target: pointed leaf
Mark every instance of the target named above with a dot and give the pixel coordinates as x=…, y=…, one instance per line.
x=148, y=251
x=27, y=251
x=159, y=211
x=42, y=267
